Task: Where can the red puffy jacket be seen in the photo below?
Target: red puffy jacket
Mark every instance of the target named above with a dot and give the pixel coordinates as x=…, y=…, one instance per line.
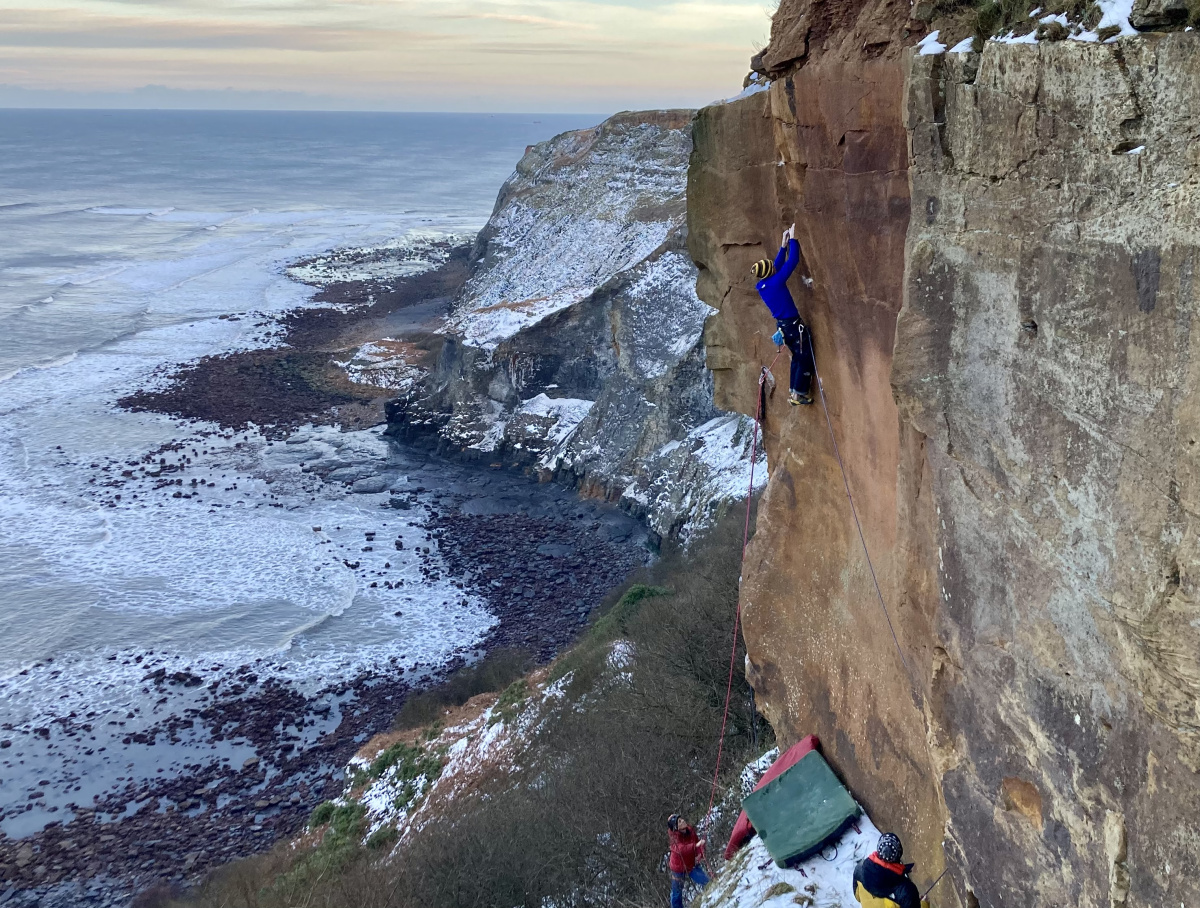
x=686, y=850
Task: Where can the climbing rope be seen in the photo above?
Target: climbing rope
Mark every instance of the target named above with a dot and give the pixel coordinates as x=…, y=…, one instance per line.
x=854, y=512
x=737, y=616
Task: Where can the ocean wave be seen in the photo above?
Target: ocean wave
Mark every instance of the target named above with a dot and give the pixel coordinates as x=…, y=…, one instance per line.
x=82, y=280
x=130, y=212
x=40, y=367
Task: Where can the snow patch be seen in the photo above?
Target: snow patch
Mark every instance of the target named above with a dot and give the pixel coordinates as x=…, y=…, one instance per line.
x=663, y=303
x=826, y=880
x=385, y=363
x=566, y=413
x=757, y=84
x=421, y=250
x=929, y=45
x=689, y=480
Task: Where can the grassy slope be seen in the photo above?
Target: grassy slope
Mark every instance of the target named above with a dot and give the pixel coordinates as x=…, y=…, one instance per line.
x=580, y=809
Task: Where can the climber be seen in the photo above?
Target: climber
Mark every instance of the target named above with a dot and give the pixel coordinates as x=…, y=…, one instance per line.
x=687, y=850
x=881, y=880
x=772, y=286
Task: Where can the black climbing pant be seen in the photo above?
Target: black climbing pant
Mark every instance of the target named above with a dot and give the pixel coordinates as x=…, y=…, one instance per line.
x=798, y=339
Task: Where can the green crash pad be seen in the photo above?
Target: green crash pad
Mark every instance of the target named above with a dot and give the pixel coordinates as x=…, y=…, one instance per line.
x=796, y=813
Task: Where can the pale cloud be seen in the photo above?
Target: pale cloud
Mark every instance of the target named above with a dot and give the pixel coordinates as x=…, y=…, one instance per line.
x=581, y=55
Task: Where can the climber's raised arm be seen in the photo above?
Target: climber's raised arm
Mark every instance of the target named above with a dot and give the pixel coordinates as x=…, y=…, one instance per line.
x=791, y=254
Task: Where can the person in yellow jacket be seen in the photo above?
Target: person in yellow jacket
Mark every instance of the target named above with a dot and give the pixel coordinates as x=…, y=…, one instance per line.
x=881, y=879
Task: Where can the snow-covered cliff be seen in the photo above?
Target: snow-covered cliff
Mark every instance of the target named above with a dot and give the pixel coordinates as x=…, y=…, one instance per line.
x=575, y=347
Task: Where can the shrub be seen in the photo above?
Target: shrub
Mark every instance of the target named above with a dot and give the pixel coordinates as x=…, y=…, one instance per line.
x=346, y=818
x=508, y=707
x=381, y=838
x=321, y=814
x=492, y=673
x=585, y=661
x=412, y=760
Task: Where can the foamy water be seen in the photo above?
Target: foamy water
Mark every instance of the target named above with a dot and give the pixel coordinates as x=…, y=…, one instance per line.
x=127, y=237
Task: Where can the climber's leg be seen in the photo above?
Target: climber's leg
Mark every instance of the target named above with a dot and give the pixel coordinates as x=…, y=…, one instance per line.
x=795, y=335
x=699, y=877
x=677, y=880
x=807, y=363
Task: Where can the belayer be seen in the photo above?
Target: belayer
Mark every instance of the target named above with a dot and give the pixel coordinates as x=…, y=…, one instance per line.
x=687, y=849
x=772, y=286
x=881, y=880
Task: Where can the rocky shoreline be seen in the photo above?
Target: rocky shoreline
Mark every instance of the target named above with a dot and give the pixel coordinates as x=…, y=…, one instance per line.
x=486, y=528
x=298, y=380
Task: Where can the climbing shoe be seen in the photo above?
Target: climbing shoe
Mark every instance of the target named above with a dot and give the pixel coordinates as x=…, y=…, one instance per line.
x=795, y=398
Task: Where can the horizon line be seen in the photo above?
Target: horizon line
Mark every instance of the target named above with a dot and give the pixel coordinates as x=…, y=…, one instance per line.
x=436, y=113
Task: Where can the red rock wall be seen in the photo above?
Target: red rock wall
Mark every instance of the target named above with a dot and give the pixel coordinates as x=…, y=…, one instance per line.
x=1014, y=399
x=826, y=147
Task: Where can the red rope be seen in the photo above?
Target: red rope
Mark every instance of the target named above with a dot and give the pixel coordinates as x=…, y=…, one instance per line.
x=737, y=615
x=737, y=618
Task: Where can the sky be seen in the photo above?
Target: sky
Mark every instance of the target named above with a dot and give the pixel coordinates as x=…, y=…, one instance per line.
x=421, y=55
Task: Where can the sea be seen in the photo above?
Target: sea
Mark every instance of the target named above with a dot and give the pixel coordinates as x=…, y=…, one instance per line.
x=131, y=241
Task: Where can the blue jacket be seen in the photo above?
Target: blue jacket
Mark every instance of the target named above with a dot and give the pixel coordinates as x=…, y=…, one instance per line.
x=774, y=290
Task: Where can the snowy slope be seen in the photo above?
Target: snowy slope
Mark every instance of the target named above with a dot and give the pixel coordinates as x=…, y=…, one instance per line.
x=580, y=209
x=751, y=879
x=576, y=347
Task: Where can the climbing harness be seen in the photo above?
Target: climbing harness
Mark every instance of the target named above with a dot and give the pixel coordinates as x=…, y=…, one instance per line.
x=763, y=377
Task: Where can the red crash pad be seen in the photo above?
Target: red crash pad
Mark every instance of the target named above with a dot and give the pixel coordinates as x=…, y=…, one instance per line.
x=742, y=829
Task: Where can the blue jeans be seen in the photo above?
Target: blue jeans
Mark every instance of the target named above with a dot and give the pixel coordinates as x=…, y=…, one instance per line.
x=697, y=876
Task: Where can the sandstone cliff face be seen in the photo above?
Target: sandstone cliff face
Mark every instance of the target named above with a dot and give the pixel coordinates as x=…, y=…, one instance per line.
x=826, y=147
x=1047, y=350
x=1019, y=229
x=575, y=346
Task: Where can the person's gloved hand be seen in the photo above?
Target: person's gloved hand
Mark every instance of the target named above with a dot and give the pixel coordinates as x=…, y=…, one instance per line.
x=777, y=338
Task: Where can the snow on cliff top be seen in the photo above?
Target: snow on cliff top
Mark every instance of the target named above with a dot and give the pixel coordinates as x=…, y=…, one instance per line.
x=1114, y=13
x=581, y=208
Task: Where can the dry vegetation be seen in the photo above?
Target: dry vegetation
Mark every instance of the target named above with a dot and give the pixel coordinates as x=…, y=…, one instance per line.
x=984, y=19
x=581, y=820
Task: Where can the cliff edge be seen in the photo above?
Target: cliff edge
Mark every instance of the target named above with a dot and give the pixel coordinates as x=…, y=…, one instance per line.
x=575, y=346
x=1001, y=248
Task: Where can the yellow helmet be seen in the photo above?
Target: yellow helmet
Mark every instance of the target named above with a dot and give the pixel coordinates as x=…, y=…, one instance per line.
x=763, y=268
